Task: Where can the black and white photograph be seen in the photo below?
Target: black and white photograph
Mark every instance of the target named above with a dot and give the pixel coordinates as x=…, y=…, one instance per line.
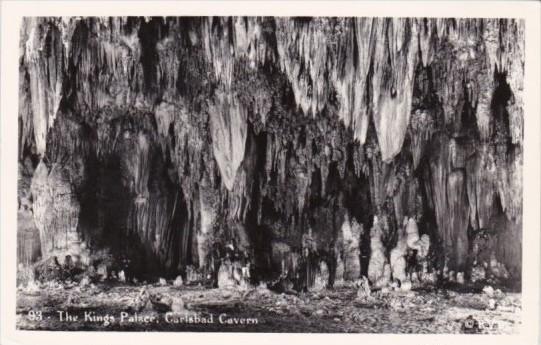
x=270, y=174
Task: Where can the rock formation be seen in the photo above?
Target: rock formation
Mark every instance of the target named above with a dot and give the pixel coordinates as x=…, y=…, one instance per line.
x=408, y=240
x=163, y=140
x=351, y=236
x=378, y=259
x=398, y=253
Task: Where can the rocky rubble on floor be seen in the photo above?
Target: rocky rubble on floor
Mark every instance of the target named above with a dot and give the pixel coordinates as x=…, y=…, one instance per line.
x=140, y=301
x=353, y=308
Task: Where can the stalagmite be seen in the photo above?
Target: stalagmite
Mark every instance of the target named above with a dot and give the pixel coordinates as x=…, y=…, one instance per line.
x=384, y=280
x=225, y=275
x=377, y=255
x=339, y=274
x=363, y=291
x=208, y=218
x=178, y=282
x=322, y=277
x=422, y=244
x=398, y=254
x=56, y=212
x=351, y=234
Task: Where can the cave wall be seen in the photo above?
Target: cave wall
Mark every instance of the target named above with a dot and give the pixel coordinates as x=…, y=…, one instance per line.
x=160, y=141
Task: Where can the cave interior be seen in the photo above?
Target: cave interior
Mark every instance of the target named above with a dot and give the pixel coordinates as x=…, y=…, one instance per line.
x=291, y=150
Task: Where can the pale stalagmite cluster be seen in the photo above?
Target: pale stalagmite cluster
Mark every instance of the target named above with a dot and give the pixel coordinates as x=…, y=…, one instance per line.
x=225, y=145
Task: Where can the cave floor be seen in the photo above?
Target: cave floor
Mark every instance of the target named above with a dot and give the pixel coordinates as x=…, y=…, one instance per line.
x=328, y=311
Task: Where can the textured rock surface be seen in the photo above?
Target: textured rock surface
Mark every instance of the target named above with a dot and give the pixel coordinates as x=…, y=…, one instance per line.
x=166, y=141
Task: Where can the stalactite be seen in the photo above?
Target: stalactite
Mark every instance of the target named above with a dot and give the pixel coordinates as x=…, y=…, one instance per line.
x=44, y=58
x=393, y=85
x=229, y=130
x=421, y=129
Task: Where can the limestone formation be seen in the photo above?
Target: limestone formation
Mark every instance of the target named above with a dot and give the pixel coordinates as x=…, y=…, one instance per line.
x=162, y=140
x=351, y=235
x=385, y=279
x=339, y=274
x=178, y=282
x=377, y=256
x=364, y=290
x=398, y=253
x=225, y=275
x=408, y=239
x=322, y=277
